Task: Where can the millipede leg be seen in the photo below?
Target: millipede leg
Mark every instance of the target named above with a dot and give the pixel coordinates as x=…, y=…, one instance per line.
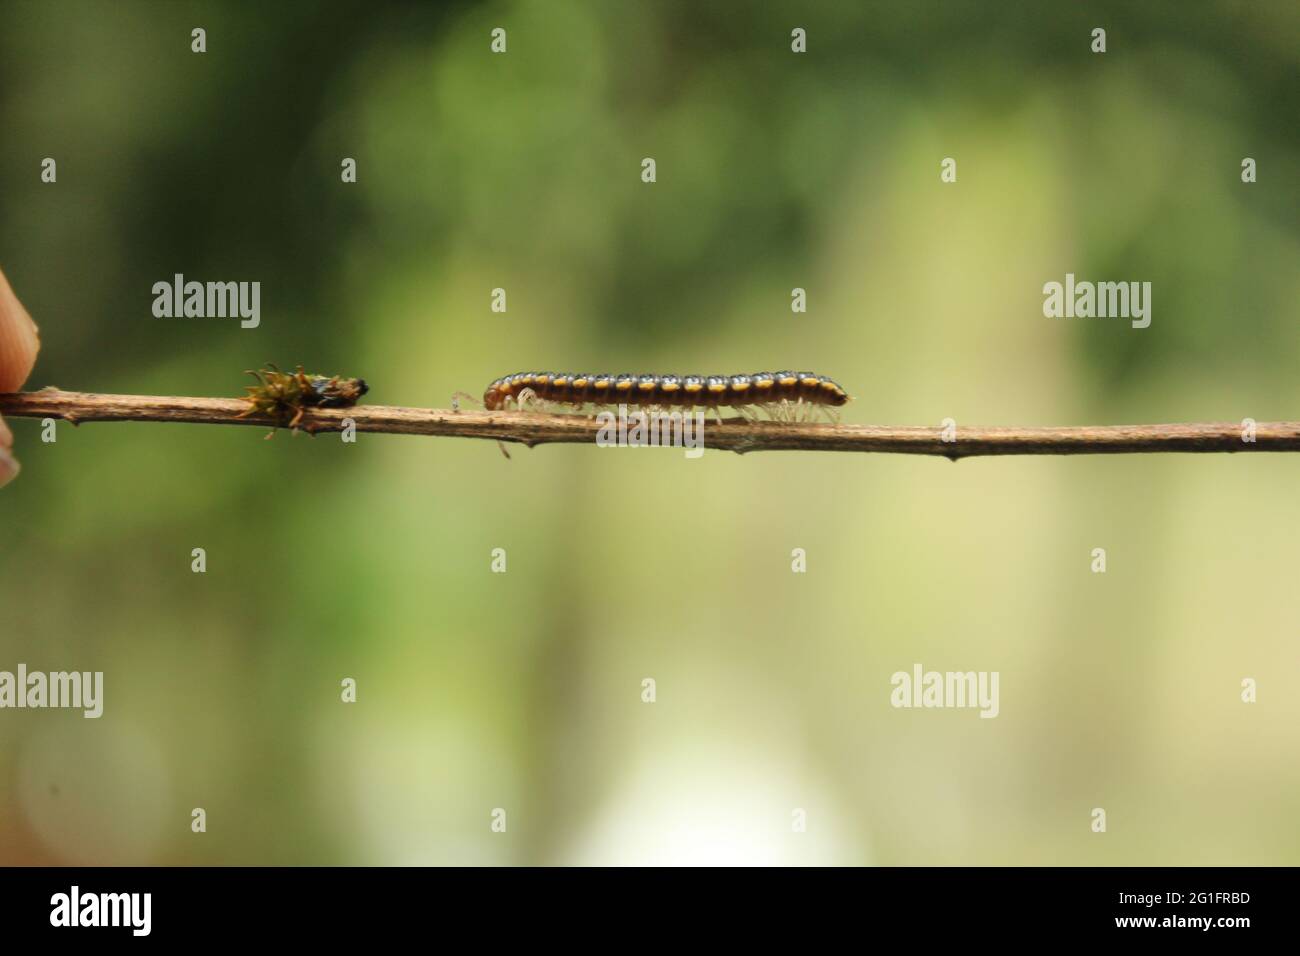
x=539, y=404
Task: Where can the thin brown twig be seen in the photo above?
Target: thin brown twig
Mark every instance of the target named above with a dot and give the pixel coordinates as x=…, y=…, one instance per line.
x=738, y=435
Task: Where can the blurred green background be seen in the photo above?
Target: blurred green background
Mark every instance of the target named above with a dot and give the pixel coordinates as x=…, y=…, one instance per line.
x=523, y=690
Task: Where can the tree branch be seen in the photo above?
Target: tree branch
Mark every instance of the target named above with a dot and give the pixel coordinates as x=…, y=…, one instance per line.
x=739, y=435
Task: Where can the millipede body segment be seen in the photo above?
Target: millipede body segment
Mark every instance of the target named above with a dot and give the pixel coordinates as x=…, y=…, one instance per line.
x=710, y=391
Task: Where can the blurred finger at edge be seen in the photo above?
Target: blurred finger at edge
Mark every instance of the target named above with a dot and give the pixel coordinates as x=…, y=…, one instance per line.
x=8, y=466
x=19, y=340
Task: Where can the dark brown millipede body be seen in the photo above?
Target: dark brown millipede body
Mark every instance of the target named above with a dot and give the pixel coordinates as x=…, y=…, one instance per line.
x=709, y=391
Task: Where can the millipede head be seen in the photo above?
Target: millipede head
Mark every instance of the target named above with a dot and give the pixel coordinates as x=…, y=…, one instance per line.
x=494, y=395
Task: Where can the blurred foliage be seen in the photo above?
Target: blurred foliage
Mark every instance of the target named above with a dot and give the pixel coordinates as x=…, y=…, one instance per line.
x=775, y=170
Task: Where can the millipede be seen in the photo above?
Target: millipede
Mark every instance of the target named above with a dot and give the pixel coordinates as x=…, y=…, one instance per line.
x=783, y=395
